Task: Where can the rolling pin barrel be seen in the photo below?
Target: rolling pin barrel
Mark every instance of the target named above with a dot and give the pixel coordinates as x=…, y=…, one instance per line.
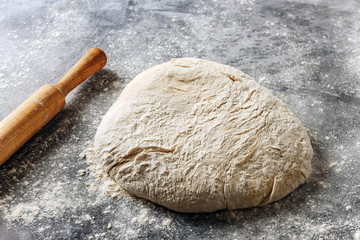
x=27, y=119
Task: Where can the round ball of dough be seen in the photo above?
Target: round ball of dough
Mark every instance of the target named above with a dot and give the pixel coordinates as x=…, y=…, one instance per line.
x=198, y=136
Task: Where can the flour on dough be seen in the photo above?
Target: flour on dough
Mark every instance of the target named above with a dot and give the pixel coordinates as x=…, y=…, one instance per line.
x=198, y=136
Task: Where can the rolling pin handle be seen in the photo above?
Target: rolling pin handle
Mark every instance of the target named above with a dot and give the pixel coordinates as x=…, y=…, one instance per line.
x=27, y=119
x=91, y=62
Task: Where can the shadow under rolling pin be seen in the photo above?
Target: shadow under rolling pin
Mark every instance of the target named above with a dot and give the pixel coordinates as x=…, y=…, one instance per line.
x=36, y=111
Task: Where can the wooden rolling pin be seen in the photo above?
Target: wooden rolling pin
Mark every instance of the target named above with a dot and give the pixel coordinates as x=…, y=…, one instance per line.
x=20, y=125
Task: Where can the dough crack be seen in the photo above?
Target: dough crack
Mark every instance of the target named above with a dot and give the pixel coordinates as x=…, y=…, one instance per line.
x=231, y=77
x=175, y=88
x=268, y=196
x=137, y=150
x=277, y=149
x=263, y=125
x=174, y=61
x=236, y=110
x=226, y=182
x=249, y=96
x=112, y=167
x=252, y=118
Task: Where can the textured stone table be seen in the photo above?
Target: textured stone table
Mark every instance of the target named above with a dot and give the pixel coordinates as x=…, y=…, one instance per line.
x=306, y=52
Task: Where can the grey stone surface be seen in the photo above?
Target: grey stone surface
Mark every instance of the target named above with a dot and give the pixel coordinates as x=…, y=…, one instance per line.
x=306, y=52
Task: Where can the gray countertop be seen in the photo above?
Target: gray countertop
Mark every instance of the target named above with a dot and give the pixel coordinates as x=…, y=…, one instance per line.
x=306, y=52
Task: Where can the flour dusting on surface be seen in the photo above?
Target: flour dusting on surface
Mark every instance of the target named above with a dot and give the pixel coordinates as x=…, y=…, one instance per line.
x=104, y=183
x=26, y=212
x=306, y=58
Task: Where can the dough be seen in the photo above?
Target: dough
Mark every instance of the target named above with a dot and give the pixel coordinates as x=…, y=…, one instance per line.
x=198, y=136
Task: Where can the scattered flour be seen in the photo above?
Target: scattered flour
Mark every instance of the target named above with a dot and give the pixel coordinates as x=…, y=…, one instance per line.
x=109, y=226
x=131, y=233
x=44, y=202
x=26, y=212
x=142, y=218
x=166, y=222
x=348, y=208
x=107, y=185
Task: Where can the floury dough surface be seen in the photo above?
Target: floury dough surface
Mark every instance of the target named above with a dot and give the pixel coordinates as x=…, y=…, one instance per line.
x=198, y=136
